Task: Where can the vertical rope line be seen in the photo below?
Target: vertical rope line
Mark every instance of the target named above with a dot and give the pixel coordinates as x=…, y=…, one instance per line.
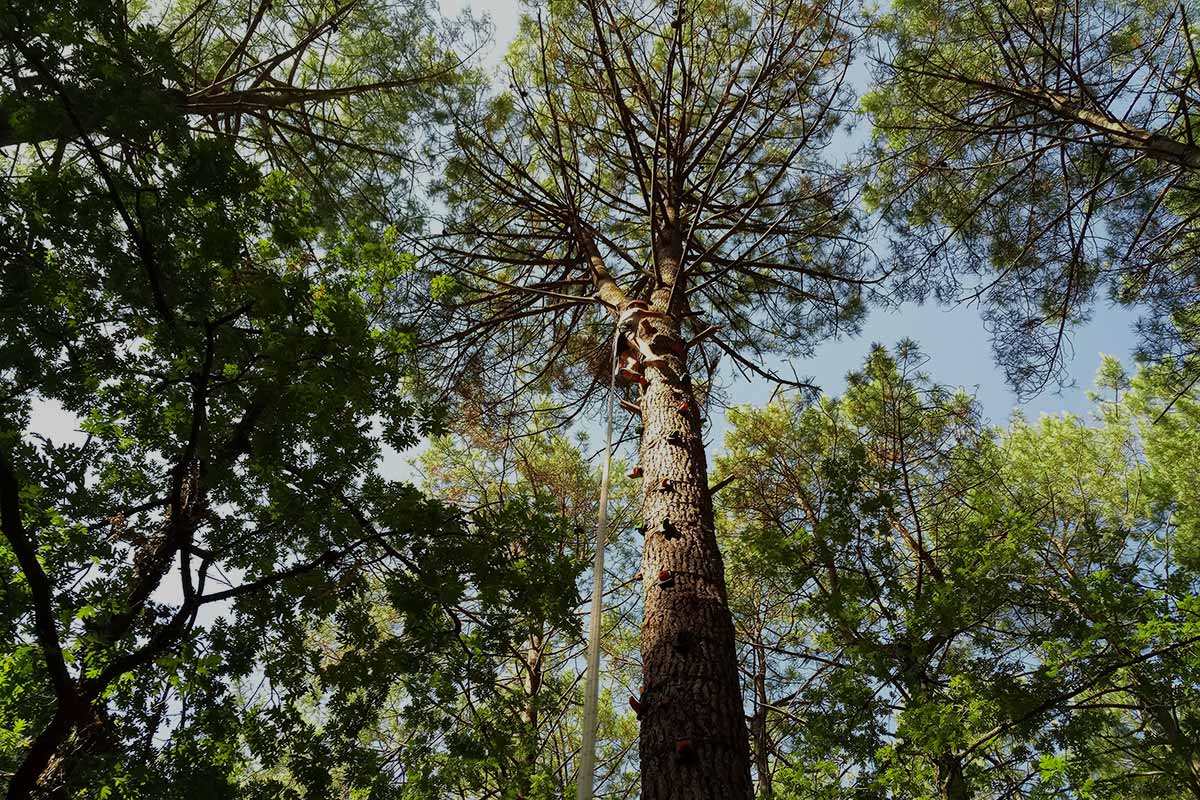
x=586, y=778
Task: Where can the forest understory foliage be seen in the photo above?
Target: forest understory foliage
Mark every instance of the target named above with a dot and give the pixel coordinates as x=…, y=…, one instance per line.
x=255, y=254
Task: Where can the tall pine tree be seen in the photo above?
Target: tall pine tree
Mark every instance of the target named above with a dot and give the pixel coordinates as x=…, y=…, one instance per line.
x=655, y=167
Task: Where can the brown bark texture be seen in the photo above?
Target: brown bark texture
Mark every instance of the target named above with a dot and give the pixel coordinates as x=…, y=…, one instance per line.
x=693, y=741
x=532, y=685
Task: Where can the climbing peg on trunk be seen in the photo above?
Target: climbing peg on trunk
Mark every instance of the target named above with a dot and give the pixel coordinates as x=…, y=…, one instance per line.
x=667, y=529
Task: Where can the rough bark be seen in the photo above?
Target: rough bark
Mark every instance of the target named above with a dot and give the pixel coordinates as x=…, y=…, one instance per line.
x=1123, y=134
x=1098, y=120
x=693, y=741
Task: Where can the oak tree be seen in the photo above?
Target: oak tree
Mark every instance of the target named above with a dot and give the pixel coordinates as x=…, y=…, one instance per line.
x=223, y=359
x=331, y=93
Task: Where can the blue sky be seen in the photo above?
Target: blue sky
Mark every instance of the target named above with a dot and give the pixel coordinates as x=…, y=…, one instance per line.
x=960, y=354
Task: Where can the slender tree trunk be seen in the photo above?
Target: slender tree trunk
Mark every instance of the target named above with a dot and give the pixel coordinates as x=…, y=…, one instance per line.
x=79, y=728
x=529, y=715
x=36, y=772
x=1158, y=705
x=693, y=740
x=758, y=724
x=1123, y=134
x=951, y=784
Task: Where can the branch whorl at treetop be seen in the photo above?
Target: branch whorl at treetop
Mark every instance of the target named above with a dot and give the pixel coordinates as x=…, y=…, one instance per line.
x=641, y=148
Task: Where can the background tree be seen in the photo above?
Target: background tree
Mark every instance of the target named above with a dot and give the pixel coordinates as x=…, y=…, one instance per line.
x=1116, y=552
x=1034, y=155
x=668, y=154
x=380, y=713
x=869, y=512
x=975, y=613
x=226, y=362
x=516, y=732
x=777, y=653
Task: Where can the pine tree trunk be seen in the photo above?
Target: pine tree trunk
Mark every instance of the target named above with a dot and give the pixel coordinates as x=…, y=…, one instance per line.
x=693, y=741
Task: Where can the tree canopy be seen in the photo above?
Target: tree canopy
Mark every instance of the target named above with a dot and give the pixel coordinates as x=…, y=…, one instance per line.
x=304, y=325
x=969, y=612
x=1036, y=155
x=334, y=94
x=648, y=150
x=222, y=357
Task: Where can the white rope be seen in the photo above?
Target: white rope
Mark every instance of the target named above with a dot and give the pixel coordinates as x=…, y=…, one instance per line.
x=586, y=777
